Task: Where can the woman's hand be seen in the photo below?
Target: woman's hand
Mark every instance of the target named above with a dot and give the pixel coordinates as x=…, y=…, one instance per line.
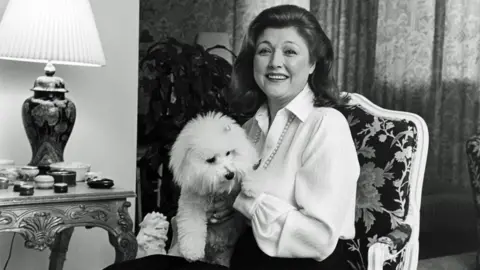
x=221, y=211
x=254, y=184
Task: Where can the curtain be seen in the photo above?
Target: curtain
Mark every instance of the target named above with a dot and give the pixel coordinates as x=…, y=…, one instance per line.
x=420, y=56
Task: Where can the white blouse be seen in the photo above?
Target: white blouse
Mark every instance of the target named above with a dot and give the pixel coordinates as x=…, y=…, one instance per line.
x=309, y=175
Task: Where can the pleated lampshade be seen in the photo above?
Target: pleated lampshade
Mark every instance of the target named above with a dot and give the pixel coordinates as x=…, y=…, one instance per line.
x=50, y=32
x=55, y=31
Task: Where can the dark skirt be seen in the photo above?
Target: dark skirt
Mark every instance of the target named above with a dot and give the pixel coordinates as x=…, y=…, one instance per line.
x=247, y=255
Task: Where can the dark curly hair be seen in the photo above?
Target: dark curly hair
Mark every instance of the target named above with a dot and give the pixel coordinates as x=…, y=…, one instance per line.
x=247, y=97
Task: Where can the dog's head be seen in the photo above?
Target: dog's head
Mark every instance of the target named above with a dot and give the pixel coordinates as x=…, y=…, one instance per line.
x=211, y=154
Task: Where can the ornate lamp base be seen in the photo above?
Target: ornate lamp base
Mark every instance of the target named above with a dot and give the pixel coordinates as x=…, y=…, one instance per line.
x=48, y=118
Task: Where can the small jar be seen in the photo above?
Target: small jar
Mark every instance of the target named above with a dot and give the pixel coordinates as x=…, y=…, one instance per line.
x=26, y=190
x=18, y=185
x=68, y=177
x=4, y=183
x=60, y=187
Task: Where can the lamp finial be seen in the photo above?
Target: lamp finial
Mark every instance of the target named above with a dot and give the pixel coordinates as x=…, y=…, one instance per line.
x=49, y=69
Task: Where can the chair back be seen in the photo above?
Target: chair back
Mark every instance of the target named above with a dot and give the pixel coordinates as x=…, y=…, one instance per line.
x=392, y=150
x=472, y=148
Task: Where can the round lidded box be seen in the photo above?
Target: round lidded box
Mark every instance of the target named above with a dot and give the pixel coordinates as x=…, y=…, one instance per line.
x=60, y=188
x=26, y=190
x=64, y=176
x=18, y=185
x=44, y=181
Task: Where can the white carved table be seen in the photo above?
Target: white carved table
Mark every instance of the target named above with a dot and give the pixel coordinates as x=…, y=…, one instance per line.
x=47, y=219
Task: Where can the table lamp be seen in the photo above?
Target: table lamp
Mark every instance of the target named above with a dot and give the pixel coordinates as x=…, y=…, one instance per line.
x=51, y=32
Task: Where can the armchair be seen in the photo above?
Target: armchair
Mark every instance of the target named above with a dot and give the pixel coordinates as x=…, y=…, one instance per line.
x=473, y=153
x=392, y=150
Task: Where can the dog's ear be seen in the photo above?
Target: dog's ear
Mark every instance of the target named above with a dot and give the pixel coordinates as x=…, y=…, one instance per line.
x=178, y=159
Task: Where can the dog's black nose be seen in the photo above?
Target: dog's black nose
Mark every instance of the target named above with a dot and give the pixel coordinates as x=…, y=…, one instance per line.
x=229, y=175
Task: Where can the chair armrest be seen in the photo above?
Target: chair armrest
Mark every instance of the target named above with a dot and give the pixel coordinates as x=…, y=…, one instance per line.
x=388, y=247
x=397, y=239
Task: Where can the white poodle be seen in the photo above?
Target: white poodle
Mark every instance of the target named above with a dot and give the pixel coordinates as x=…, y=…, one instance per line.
x=209, y=158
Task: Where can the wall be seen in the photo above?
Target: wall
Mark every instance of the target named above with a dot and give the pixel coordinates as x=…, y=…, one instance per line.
x=183, y=19
x=105, y=130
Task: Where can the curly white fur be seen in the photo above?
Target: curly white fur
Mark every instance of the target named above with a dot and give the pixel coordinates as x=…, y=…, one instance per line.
x=210, y=156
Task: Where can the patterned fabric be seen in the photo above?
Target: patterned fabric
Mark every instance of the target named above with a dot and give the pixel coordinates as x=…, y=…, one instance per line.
x=385, y=149
x=473, y=155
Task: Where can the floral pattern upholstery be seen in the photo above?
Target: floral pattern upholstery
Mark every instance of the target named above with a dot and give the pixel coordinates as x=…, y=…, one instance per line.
x=385, y=149
x=473, y=154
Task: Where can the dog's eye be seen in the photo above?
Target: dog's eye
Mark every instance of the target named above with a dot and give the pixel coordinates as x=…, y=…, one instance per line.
x=227, y=154
x=211, y=160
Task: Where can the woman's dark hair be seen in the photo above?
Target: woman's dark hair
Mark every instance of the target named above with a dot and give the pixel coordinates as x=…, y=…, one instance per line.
x=247, y=96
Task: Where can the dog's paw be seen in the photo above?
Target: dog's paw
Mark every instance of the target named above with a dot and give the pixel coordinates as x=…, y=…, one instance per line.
x=193, y=254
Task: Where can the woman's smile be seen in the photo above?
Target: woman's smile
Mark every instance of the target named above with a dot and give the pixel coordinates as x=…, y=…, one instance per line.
x=276, y=77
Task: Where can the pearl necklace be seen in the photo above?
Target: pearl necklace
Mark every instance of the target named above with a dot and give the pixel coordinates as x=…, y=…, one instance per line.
x=280, y=139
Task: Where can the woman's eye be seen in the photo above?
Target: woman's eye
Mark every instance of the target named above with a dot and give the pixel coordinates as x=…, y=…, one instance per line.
x=290, y=52
x=211, y=160
x=263, y=51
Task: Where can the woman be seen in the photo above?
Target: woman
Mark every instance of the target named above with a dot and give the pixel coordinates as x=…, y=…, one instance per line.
x=305, y=187
x=301, y=199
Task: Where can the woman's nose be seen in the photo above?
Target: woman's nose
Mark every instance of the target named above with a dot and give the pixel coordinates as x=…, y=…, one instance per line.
x=276, y=59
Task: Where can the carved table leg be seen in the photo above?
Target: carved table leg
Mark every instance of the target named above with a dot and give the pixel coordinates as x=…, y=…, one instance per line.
x=59, y=249
x=123, y=240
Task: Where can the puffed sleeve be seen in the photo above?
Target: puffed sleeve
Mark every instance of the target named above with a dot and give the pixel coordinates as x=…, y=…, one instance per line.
x=325, y=192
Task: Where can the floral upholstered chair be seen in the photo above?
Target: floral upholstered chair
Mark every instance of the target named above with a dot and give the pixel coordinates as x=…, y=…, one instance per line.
x=392, y=150
x=473, y=154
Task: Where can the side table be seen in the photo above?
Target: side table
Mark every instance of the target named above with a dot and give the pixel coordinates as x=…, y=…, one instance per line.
x=47, y=219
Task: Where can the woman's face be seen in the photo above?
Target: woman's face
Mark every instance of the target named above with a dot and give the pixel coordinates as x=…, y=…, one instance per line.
x=281, y=64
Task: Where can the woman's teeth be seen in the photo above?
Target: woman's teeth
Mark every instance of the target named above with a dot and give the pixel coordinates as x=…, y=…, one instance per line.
x=276, y=77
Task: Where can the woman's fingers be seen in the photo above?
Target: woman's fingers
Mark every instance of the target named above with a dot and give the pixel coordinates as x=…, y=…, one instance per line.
x=219, y=203
x=221, y=211
x=223, y=215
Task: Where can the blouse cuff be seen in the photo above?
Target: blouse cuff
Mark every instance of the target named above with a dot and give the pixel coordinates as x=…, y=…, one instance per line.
x=247, y=205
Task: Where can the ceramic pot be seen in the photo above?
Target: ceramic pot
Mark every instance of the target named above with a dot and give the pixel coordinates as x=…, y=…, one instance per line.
x=48, y=118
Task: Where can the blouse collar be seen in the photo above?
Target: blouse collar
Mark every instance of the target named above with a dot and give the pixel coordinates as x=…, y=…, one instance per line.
x=301, y=106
